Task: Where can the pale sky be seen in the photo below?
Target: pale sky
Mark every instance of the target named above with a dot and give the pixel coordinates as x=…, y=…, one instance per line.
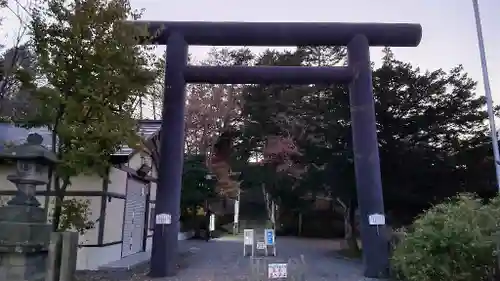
x=449, y=33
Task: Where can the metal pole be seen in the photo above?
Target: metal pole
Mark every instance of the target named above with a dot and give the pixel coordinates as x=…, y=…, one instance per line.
x=366, y=158
x=168, y=195
x=487, y=90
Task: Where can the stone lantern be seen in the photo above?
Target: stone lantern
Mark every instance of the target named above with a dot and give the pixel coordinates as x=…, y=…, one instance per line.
x=24, y=231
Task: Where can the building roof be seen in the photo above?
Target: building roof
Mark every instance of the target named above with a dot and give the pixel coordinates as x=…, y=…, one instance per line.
x=11, y=134
x=147, y=128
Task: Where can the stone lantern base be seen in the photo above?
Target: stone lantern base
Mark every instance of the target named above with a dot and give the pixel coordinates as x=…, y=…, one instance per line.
x=23, y=266
x=24, y=240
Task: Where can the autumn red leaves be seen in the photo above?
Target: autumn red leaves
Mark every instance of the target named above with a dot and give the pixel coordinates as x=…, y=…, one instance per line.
x=279, y=151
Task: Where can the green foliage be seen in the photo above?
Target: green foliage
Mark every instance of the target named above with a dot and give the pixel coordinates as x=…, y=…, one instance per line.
x=196, y=188
x=17, y=75
x=431, y=129
x=93, y=73
x=454, y=240
x=75, y=215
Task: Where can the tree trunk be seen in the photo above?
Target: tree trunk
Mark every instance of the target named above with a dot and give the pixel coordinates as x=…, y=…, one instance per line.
x=277, y=224
x=350, y=227
x=56, y=215
x=349, y=213
x=60, y=191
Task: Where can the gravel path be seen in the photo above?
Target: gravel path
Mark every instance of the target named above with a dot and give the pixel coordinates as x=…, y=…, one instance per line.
x=222, y=260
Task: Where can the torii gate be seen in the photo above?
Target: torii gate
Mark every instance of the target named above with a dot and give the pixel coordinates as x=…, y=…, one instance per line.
x=358, y=37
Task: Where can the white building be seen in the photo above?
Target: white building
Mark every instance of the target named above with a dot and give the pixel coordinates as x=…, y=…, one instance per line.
x=121, y=208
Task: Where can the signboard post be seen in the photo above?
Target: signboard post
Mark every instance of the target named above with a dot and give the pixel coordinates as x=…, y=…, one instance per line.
x=248, y=240
x=163, y=219
x=270, y=240
x=212, y=223
x=261, y=245
x=377, y=220
x=236, y=216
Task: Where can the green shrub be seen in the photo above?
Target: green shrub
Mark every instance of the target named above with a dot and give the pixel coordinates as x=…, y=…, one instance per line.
x=452, y=241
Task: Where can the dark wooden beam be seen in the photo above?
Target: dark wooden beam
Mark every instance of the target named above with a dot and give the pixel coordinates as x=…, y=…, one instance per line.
x=283, y=33
x=267, y=74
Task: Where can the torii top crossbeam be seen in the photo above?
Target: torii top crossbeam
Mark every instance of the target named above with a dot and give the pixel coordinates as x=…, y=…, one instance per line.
x=284, y=33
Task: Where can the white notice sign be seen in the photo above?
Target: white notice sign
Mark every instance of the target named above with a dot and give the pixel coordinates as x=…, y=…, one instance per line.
x=163, y=219
x=376, y=219
x=261, y=245
x=236, y=211
x=248, y=237
x=212, y=223
x=277, y=270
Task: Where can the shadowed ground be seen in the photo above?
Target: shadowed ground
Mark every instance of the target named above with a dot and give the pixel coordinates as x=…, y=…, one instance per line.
x=222, y=260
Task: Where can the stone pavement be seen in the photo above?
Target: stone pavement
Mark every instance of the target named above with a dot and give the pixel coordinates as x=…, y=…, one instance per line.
x=222, y=260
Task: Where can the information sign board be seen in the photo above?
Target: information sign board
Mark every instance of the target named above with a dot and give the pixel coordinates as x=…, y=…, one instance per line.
x=277, y=270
